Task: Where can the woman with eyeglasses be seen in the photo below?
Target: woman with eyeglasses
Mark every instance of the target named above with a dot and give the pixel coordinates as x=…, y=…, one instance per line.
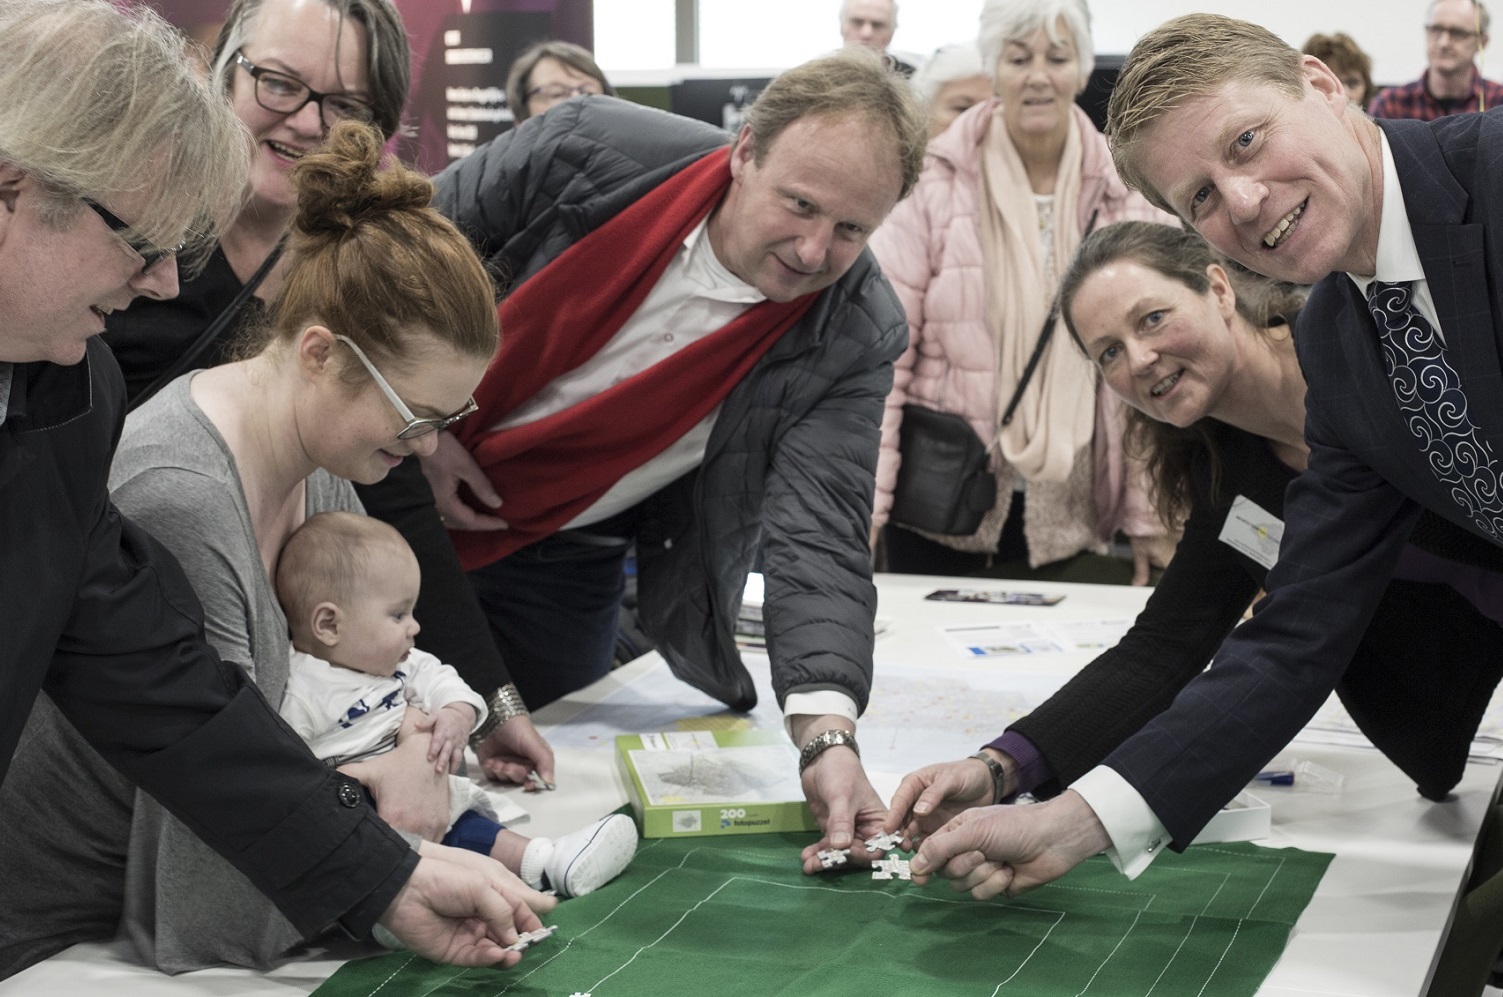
x=383, y=327
x=549, y=73
x=292, y=70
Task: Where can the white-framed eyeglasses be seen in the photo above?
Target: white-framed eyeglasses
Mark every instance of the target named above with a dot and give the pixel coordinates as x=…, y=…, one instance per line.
x=415, y=427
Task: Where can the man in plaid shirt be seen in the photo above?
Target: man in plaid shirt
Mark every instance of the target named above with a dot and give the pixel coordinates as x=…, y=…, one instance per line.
x=1455, y=32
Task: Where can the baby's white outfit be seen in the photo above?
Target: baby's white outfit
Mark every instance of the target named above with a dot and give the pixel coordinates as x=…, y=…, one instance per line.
x=346, y=716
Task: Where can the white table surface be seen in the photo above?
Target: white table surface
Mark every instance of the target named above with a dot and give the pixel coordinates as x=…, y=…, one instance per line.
x=1372, y=929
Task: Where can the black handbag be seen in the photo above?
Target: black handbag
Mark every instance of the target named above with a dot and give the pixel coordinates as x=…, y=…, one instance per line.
x=945, y=485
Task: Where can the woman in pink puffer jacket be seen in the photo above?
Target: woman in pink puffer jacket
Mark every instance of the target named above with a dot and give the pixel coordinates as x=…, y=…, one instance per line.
x=974, y=254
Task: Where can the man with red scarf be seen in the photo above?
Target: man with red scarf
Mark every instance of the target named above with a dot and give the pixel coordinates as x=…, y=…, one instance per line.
x=695, y=351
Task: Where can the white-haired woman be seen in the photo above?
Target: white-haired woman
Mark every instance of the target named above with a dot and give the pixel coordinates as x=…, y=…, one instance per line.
x=1008, y=192
x=952, y=82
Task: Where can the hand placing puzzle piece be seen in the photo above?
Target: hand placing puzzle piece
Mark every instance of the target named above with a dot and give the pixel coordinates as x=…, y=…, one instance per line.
x=831, y=858
x=526, y=938
x=883, y=842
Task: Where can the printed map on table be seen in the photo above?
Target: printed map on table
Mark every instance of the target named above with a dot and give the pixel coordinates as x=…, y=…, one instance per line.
x=735, y=916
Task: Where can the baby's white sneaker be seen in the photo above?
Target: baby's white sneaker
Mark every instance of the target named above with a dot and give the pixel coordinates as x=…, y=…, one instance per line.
x=582, y=861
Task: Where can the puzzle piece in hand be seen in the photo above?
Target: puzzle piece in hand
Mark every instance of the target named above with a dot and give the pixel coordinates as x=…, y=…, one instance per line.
x=526, y=938
x=883, y=842
x=830, y=858
x=888, y=868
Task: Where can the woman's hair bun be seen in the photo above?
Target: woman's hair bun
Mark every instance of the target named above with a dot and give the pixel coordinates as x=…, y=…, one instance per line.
x=343, y=184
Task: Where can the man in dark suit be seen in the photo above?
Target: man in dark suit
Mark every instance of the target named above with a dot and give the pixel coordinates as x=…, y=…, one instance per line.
x=1259, y=150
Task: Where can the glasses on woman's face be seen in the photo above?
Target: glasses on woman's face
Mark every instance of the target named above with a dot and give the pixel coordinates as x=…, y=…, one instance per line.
x=415, y=427
x=150, y=253
x=555, y=92
x=287, y=95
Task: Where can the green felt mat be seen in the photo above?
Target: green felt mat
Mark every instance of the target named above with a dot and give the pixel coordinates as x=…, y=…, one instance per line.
x=709, y=916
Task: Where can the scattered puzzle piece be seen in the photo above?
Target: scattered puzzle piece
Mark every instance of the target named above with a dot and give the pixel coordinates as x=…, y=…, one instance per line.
x=829, y=858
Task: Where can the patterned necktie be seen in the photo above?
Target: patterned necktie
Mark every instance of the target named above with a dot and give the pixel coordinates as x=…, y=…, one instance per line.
x=1435, y=408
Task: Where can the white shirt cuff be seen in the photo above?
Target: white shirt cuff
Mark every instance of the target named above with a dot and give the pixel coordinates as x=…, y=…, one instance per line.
x=1136, y=832
x=817, y=704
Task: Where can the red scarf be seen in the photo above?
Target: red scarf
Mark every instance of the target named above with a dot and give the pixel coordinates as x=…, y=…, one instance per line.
x=549, y=471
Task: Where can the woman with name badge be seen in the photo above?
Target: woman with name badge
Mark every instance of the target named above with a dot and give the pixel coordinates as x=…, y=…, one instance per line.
x=1203, y=353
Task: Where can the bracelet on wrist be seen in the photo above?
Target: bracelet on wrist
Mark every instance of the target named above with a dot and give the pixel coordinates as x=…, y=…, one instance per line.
x=501, y=706
x=999, y=776
x=822, y=742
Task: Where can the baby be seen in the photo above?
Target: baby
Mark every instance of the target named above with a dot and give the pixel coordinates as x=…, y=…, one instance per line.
x=348, y=584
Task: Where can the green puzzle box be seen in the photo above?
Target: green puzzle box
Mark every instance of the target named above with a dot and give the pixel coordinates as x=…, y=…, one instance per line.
x=686, y=784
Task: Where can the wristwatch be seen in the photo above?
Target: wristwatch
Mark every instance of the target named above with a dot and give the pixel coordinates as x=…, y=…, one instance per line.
x=820, y=742
x=999, y=775
x=503, y=704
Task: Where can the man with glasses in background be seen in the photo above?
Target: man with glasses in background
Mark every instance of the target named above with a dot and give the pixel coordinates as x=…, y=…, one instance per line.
x=1455, y=35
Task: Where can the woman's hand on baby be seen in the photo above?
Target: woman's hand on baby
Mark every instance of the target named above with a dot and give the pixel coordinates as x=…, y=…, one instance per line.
x=451, y=728
x=410, y=795
x=449, y=466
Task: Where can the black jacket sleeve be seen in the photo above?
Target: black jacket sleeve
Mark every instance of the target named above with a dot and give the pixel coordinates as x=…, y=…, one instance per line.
x=1201, y=596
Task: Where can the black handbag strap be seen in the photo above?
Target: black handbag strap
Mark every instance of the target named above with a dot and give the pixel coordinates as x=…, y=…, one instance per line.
x=216, y=328
x=1044, y=337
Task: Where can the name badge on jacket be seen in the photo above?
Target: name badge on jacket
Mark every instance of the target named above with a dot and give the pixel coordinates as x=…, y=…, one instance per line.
x=1253, y=530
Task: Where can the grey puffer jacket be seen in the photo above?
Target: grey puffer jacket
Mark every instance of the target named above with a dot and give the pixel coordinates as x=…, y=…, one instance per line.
x=792, y=459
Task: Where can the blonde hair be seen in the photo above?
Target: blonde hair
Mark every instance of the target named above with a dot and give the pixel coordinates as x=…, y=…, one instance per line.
x=328, y=559
x=852, y=81
x=103, y=103
x=371, y=259
x=1182, y=60
x=1003, y=21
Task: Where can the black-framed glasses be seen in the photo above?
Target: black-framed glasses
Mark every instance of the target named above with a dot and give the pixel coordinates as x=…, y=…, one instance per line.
x=287, y=95
x=1458, y=35
x=150, y=253
x=558, y=91
x=415, y=427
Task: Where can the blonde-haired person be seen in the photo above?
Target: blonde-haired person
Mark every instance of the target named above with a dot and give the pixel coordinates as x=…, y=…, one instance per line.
x=1149, y=304
x=1258, y=147
x=951, y=82
x=97, y=612
x=975, y=254
x=292, y=69
x=384, y=326
x=549, y=73
x=1347, y=60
